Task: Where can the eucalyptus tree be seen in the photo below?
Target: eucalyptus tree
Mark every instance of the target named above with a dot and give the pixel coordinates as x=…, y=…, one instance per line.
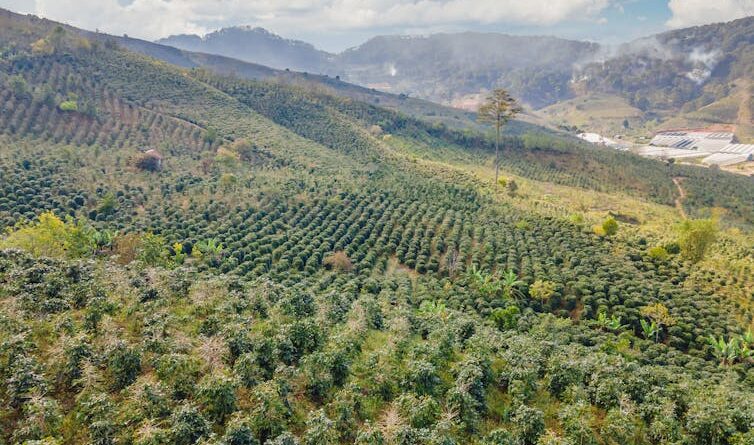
x=499, y=108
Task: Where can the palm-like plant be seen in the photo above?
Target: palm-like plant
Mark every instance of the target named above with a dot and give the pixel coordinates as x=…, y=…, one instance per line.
x=649, y=329
x=483, y=281
x=209, y=247
x=104, y=238
x=612, y=324
x=433, y=307
x=726, y=351
x=510, y=283
x=748, y=338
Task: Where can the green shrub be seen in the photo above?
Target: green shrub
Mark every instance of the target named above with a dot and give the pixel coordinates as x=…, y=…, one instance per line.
x=69, y=105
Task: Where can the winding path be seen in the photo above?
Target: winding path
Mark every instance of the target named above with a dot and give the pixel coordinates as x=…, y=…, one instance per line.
x=681, y=196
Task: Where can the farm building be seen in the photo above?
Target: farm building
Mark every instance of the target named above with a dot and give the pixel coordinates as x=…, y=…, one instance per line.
x=667, y=153
x=150, y=160
x=744, y=149
x=716, y=146
x=706, y=141
x=725, y=159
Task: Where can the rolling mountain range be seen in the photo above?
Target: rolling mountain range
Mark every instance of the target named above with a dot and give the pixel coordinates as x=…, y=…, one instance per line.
x=693, y=76
x=255, y=45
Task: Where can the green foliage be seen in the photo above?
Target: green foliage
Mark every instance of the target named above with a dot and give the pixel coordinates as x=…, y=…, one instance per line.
x=511, y=188
x=658, y=253
x=529, y=424
x=18, y=86
x=124, y=363
x=187, y=425
x=542, y=290
x=249, y=326
x=69, y=105
x=505, y=318
x=153, y=250
x=695, y=237
x=218, y=396
x=610, y=226
x=51, y=236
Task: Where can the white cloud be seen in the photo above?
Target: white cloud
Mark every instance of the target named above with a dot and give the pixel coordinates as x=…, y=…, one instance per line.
x=152, y=19
x=698, y=12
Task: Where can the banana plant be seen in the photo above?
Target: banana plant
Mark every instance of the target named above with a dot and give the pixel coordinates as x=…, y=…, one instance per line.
x=748, y=338
x=725, y=351
x=104, y=238
x=649, y=329
x=612, y=324
x=745, y=351
x=510, y=283
x=434, y=307
x=481, y=280
x=209, y=247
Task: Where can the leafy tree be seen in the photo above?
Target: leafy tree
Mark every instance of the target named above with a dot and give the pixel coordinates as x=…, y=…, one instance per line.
x=610, y=227
x=542, y=290
x=650, y=330
x=270, y=413
x=370, y=436
x=24, y=380
x=499, y=108
x=283, y=439
x=511, y=187
x=576, y=419
x=51, y=236
x=482, y=281
x=660, y=316
x=180, y=372
x=42, y=419
x=499, y=437
x=727, y=352
x=69, y=105
x=510, y=284
x=338, y=261
x=239, y=432
x=612, y=324
x=153, y=250
x=18, y=86
x=695, y=237
x=658, y=253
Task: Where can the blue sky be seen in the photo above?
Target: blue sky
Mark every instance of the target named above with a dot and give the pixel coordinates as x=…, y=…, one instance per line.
x=338, y=24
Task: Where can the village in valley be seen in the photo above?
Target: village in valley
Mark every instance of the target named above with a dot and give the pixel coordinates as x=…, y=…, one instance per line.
x=714, y=146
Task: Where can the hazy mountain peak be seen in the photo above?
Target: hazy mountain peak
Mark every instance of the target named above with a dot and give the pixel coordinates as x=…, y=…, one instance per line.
x=254, y=44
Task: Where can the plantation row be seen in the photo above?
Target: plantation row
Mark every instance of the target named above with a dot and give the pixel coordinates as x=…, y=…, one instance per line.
x=97, y=117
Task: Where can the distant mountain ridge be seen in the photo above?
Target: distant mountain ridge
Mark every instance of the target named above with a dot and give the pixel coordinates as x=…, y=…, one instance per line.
x=254, y=45
x=445, y=68
x=692, y=76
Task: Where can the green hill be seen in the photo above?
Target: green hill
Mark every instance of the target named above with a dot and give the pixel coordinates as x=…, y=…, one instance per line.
x=295, y=266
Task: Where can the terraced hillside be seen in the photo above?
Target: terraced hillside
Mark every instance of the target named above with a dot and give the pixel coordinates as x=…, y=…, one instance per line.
x=298, y=267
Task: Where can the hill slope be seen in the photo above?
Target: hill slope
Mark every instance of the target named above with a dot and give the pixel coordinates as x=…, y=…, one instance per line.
x=300, y=266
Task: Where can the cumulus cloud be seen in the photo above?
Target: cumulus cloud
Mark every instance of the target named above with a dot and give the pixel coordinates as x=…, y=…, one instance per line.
x=698, y=12
x=158, y=18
